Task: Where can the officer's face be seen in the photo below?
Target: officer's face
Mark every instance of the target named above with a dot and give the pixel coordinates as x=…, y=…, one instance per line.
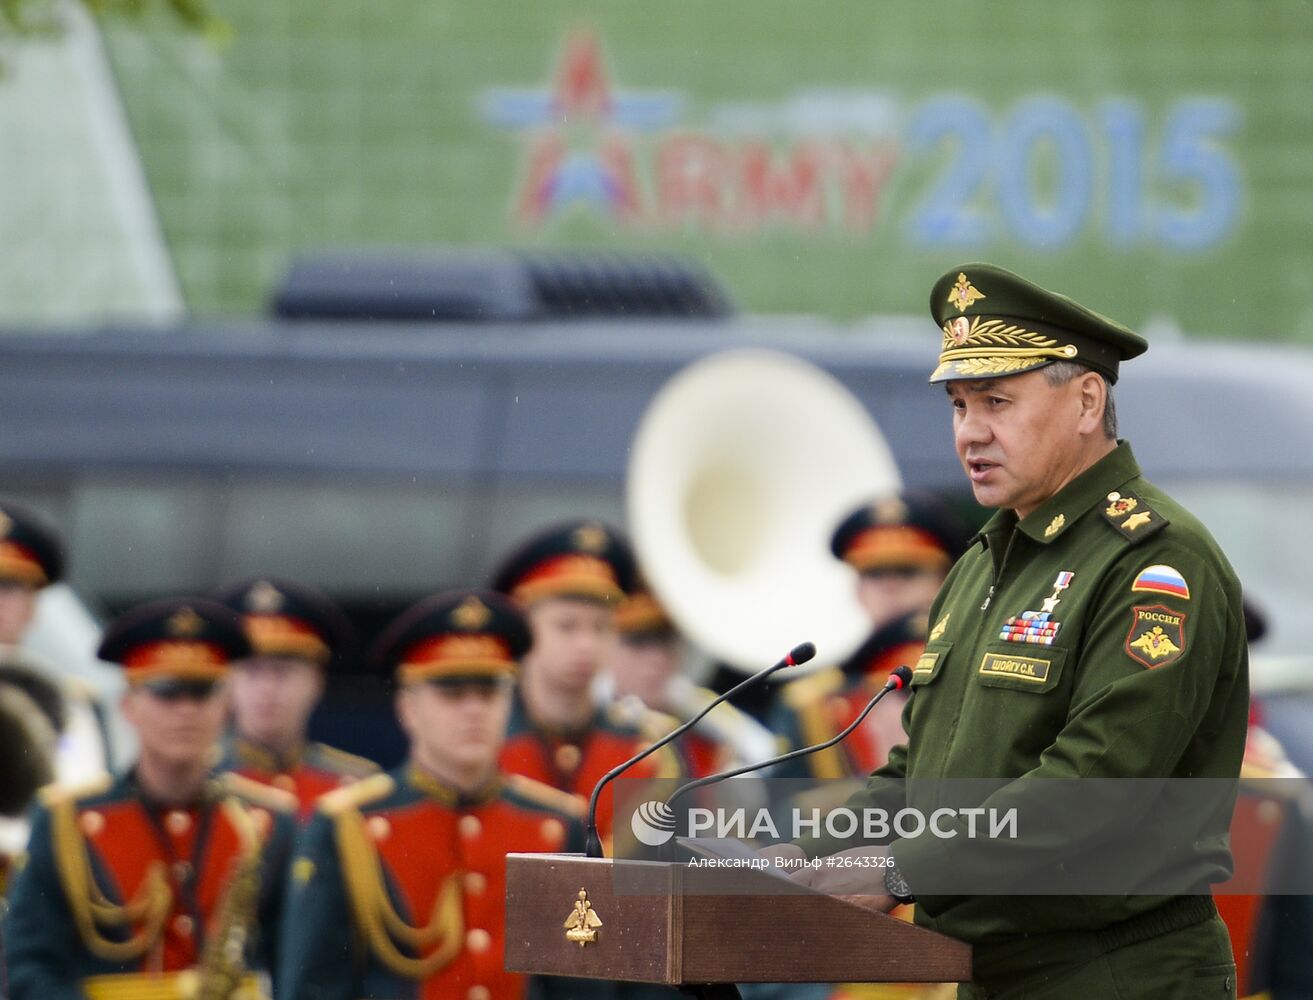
x=17, y=606
x=572, y=638
x=455, y=728
x=273, y=697
x=1020, y=439
x=644, y=666
x=890, y=593
x=178, y=729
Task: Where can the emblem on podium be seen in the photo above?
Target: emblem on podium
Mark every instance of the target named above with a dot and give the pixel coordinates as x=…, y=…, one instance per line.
x=582, y=923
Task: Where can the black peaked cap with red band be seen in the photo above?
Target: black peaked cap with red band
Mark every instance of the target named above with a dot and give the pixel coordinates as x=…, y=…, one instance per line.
x=577, y=559
x=456, y=635
x=285, y=618
x=186, y=638
x=910, y=529
x=31, y=553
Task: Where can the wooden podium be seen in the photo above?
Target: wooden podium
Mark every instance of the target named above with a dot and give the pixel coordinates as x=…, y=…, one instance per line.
x=684, y=926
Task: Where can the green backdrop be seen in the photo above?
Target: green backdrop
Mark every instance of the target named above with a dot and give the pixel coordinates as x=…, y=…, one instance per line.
x=1155, y=160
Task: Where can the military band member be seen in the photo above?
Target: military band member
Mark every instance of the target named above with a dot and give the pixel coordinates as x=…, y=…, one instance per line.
x=900, y=548
x=399, y=883
x=1092, y=630
x=295, y=634
x=569, y=579
x=647, y=669
x=31, y=558
x=169, y=876
x=65, y=734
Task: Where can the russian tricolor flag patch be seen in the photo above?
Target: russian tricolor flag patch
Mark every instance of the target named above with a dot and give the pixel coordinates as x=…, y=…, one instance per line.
x=1161, y=580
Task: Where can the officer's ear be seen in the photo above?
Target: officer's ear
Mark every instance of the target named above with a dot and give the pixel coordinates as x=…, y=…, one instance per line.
x=1093, y=400
x=403, y=703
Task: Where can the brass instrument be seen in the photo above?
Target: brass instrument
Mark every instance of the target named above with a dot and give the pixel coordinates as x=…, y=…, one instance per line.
x=742, y=466
x=223, y=971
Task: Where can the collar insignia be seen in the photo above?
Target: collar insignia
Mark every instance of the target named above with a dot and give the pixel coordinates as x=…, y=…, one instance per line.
x=938, y=630
x=1055, y=525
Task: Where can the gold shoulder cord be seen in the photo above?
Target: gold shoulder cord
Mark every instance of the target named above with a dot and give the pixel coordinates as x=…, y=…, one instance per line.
x=379, y=921
x=815, y=727
x=90, y=906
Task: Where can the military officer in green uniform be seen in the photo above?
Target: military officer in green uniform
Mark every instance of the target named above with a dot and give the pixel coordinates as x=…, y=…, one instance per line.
x=1092, y=630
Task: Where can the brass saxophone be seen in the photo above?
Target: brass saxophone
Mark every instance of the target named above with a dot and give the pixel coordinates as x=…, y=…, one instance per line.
x=223, y=962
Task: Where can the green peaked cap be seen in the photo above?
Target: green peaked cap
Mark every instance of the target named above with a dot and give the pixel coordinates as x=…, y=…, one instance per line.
x=996, y=323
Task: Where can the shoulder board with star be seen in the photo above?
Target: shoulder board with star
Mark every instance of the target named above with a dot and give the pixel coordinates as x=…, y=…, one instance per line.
x=545, y=795
x=1131, y=516
x=52, y=795
x=362, y=793
x=257, y=793
x=813, y=687
x=341, y=762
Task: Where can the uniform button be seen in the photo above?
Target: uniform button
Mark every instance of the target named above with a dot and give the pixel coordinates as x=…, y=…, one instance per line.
x=478, y=940
x=475, y=883
x=285, y=781
x=1269, y=812
x=177, y=822
x=553, y=832
x=479, y=993
x=379, y=827
x=92, y=823
x=182, y=871
x=469, y=827
x=568, y=757
x=183, y=924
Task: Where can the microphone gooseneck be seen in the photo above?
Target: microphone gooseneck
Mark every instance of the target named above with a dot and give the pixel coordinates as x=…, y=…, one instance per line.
x=899, y=678
x=799, y=654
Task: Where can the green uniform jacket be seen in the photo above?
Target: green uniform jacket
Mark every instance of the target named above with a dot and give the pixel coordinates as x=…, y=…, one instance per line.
x=1138, y=670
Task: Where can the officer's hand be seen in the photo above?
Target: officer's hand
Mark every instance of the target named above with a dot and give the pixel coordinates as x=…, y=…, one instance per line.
x=855, y=875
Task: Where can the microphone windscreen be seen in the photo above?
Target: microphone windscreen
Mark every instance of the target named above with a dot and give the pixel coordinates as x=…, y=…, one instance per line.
x=801, y=653
x=903, y=675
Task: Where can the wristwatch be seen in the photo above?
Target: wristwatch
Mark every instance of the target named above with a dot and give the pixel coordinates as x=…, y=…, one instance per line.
x=896, y=885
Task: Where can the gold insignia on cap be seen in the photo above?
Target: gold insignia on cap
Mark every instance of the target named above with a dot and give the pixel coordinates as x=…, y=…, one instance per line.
x=6, y=522
x=958, y=330
x=184, y=622
x=471, y=615
x=1055, y=525
x=264, y=598
x=889, y=511
x=963, y=294
x=590, y=538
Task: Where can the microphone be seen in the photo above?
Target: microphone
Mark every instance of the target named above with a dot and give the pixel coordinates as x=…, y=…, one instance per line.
x=899, y=678
x=799, y=654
